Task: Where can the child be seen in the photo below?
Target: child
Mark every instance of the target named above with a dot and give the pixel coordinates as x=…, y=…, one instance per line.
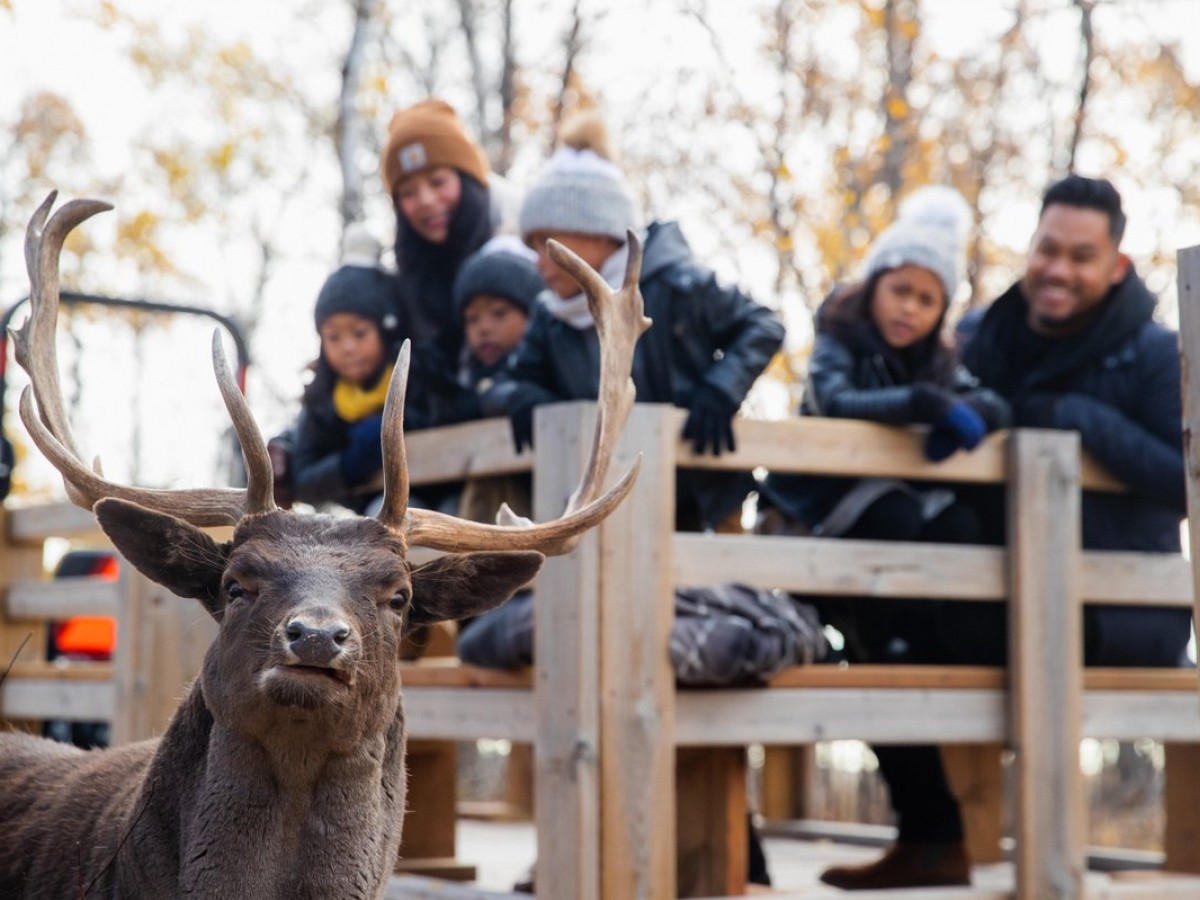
x=337, y=449
x=879, y=355
x=708, y=343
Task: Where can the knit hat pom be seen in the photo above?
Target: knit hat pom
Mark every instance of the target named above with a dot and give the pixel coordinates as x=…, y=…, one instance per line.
x=581, y=190
x=360, y=247
x=930, y=231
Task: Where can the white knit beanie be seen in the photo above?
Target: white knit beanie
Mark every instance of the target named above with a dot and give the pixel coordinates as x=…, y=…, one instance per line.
x=580, y=191
x=931, y=232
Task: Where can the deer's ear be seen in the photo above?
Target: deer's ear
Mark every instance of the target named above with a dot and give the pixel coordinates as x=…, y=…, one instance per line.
x=167, y=550
x=466, y=584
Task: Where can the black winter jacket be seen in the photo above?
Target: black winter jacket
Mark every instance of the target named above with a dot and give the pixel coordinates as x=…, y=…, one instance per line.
x=1117, y=384
x=863, y=380
x=703, y=332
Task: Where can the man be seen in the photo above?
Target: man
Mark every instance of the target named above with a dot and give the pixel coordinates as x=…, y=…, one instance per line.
x=1072, y=345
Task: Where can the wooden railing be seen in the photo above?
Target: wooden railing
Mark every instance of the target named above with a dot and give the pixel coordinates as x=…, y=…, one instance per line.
x=601, y=708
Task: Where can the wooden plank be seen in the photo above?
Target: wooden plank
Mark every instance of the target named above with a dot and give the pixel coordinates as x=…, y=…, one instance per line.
x=802, y=715
x=887, y=569
x=1046, y=662
x=822, y=446
x=415, y=887
x=566, y=672
x=161, y=642
x=35, y=598
x=1181, y=799
x=432, y=817
x=864, y=675
x=20, y=642
x=976, y=776
x=442, y=671
x=33, y=524
x=637, y=684
x=455, y=452
x=42, y=698
x=840, y=567
x=63, y=671
x=1131, y=715
x=460, y=714
x=1188, y=283
x=711, y=821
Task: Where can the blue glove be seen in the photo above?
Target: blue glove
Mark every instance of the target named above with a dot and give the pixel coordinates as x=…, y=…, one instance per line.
x=962, y=428
x=362, y=456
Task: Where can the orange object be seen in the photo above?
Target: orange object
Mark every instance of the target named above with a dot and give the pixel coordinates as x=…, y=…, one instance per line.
x=90, y=636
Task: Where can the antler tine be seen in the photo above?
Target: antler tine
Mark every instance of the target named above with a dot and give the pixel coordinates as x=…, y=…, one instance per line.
x=260, y=487
x=395, y=456
x=204, y=507
x=48, y=425
x=620, y=321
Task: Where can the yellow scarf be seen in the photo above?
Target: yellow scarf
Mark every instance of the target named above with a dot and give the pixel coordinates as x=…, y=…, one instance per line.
x=353, y=402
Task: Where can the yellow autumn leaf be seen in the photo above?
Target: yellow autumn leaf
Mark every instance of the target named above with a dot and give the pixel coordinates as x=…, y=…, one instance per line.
x=783, y=173
x=897, y=107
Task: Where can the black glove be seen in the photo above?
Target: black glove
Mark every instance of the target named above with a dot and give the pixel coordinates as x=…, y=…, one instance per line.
x=710, y=421
x=1038, y=410
x=521, y=417
x=992, y=408
x=280, y=452
x=930, y=403
x=362, y=456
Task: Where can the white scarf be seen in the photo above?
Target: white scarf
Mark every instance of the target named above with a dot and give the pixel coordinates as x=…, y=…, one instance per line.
x=574, y=310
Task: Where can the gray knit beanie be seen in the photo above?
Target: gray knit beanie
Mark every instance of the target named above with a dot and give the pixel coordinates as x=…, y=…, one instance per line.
x=580, y=191
x=930, y=232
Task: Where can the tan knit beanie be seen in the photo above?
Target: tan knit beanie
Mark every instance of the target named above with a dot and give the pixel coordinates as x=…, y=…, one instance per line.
x=426, y=135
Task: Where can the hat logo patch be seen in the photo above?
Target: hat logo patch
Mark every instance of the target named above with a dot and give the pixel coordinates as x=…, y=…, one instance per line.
x=413, y=157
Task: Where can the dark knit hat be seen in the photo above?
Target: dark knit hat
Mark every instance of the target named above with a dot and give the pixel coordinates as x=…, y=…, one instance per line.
x=580, y=191
x=359, y=286
x=501, y=271
x=426, y=135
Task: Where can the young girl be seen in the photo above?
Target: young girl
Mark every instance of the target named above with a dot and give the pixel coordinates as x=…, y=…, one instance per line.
x=337, y=448
x=879, y=355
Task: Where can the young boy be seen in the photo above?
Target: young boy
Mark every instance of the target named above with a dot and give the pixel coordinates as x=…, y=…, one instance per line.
x=707, y=346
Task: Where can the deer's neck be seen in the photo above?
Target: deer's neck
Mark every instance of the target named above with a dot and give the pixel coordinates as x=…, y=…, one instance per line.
x=280, y=820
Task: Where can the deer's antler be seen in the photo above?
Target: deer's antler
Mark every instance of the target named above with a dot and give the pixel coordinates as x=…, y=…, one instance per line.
x=50, y=428
x=620, y=321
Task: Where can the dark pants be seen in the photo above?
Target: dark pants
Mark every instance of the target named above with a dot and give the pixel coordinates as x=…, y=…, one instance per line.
x=963, y=633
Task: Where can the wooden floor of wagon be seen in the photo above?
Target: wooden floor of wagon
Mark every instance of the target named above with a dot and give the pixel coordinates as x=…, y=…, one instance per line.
x=502, y=852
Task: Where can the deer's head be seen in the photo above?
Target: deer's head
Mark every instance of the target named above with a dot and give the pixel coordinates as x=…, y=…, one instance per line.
x=312, y=608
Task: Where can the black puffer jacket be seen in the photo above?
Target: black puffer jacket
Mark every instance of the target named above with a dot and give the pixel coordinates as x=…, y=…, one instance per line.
x=1117, y=384
x=703, y=333
x=858, y=376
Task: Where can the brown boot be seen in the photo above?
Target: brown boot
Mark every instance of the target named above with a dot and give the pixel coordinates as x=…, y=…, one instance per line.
x=906, y=865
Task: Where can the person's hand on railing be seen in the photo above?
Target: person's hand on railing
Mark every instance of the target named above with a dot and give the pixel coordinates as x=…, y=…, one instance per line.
x=710, y=421
x=363, y=455
x=961, y=428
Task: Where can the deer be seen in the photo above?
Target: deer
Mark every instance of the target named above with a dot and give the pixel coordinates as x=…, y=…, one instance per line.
x=281, y=773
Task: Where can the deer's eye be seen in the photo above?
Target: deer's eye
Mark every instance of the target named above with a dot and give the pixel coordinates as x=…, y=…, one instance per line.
x=400, y=599
x=235, y=591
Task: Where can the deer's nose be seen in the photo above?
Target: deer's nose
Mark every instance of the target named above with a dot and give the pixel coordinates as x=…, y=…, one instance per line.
x=316, y=644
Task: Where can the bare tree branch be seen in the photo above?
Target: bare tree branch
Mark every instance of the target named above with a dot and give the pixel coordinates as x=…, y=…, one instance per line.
x=1088, y=40
x=349, y=125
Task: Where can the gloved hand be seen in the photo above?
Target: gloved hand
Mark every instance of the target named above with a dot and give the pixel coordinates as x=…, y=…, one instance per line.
x=961, y=428
x=993, y=408
x=521, y=417
x=279, y=451
x=710, y=421
x=930, y=403
x=1038, y=410
x=362, y=456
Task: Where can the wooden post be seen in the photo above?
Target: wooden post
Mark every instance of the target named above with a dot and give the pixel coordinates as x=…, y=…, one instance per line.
x=21, y=641
x=1046, y=666
x=1183, y=824
x=637, y=683
x=566, y=671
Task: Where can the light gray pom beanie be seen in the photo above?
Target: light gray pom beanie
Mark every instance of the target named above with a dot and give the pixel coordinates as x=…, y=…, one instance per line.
x=931, y=232
x=580, y=190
